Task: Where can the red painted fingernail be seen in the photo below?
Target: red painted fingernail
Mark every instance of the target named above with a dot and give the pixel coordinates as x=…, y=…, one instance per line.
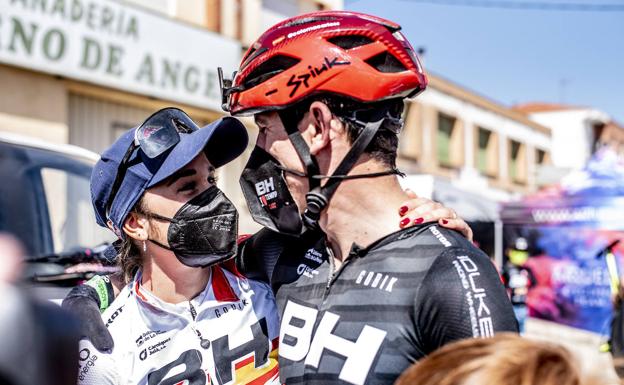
x=402, y=210
x=418, y=221
x=404, y=222
x=444, y=222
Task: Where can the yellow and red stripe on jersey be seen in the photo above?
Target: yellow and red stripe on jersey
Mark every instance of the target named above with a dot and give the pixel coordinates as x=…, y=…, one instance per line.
x=247, y=374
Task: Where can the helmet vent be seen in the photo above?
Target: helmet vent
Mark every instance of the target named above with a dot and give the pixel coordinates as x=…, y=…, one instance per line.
x=386, y=62
x=268, y=69
x=252, y=55
x=308, y=20
x=350, y=41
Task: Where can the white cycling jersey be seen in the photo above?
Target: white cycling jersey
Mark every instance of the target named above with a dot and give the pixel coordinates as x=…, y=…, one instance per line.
x=228, y=334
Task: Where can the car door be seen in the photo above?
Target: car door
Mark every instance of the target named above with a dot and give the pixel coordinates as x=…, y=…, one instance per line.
x=45, y=200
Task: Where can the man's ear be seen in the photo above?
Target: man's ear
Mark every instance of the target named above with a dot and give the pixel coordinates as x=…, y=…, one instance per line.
x=136, y=226
x=321, y=120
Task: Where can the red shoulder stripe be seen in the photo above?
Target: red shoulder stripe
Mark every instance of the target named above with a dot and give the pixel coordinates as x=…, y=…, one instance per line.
x=242, y=238
x=221, y=286
x=137, y=290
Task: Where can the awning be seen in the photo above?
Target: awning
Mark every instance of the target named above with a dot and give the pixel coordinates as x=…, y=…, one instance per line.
x=469, y=205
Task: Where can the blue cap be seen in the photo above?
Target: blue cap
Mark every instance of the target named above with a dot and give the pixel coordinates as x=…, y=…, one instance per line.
x=222, y=141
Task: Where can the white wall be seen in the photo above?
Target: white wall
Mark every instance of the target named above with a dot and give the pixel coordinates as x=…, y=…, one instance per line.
x=572, y=134
x=166, y=7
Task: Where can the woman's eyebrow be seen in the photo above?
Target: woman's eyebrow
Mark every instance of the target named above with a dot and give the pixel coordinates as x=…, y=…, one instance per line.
x=180, y=174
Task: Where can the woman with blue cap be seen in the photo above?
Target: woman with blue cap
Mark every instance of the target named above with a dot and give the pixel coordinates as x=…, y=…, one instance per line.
x=182, y=315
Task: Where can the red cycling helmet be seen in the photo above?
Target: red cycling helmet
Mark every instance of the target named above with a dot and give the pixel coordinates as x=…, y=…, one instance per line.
x=361, y=57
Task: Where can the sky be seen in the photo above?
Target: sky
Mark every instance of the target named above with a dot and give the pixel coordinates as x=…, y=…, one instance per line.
x=516, y=56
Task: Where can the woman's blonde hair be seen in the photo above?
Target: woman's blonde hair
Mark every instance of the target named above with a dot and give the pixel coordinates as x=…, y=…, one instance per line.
x=506, y=359
x=129, y=258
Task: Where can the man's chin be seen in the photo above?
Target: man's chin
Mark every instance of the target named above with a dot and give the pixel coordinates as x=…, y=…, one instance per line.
x=298, y=193
x=300, y=201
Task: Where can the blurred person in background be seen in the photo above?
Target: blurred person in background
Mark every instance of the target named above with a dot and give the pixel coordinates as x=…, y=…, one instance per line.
x=39, y=342
x=615, y=344
x=518, y=279
x=505, y=359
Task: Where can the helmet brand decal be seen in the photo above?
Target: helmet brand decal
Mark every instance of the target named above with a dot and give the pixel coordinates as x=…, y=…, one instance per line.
x=312, y=28
x=295, y=81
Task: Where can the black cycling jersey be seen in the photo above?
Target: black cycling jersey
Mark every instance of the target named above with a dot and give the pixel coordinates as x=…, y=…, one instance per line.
x=387, y=306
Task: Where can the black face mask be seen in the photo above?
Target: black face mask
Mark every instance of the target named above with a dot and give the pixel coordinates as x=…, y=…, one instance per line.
x=204, y=231
x=267, y=195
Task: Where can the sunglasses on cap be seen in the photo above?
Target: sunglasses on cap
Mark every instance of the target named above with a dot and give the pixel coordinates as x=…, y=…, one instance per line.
x=158, y=133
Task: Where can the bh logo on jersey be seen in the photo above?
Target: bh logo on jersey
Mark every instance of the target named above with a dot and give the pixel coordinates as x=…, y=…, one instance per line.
x=253, y=360
x=265, y=190
x=299, y=342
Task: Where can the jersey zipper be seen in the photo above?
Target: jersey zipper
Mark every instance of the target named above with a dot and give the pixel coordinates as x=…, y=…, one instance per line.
x=205, y=343
x=332, y=267
x=193, y=311
x=333, y=273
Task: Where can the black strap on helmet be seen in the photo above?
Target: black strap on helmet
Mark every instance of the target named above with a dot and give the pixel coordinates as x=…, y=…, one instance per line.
x=318, y=197
x=290, y=121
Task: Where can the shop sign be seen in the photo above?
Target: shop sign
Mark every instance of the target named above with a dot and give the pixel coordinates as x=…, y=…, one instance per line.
x=116, y=45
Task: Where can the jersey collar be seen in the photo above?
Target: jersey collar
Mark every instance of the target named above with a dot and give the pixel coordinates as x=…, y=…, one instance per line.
x=219, y=290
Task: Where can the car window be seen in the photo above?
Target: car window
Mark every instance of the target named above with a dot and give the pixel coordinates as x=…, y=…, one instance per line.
x=72, y=220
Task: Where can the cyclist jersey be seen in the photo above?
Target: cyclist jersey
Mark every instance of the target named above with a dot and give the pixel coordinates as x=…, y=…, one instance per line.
x=385, y=307
x=225, y=335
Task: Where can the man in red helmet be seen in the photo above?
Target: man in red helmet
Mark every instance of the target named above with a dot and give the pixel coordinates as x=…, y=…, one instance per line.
x=360, y=297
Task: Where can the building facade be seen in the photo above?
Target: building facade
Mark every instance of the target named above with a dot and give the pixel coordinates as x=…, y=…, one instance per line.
x=456, y=134
x=84, y=71
x=577, y=133
x=471, y=153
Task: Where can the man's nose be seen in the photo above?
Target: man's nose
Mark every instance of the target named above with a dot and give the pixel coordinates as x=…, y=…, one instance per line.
x=261, y=141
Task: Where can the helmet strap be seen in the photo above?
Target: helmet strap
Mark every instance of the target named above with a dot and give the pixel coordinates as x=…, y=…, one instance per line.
x=290, y=122
x=318, y=197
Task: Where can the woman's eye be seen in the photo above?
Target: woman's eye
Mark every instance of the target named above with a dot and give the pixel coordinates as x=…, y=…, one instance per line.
x=187, y=186
x=212, y=179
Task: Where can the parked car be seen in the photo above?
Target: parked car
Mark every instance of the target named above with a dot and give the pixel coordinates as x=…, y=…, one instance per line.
x=45, y=202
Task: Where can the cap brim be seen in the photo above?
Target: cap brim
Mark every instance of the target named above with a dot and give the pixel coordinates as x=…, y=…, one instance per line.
x=223, y=140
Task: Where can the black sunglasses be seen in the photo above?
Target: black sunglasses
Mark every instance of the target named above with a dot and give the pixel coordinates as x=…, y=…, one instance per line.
x=158, y=133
